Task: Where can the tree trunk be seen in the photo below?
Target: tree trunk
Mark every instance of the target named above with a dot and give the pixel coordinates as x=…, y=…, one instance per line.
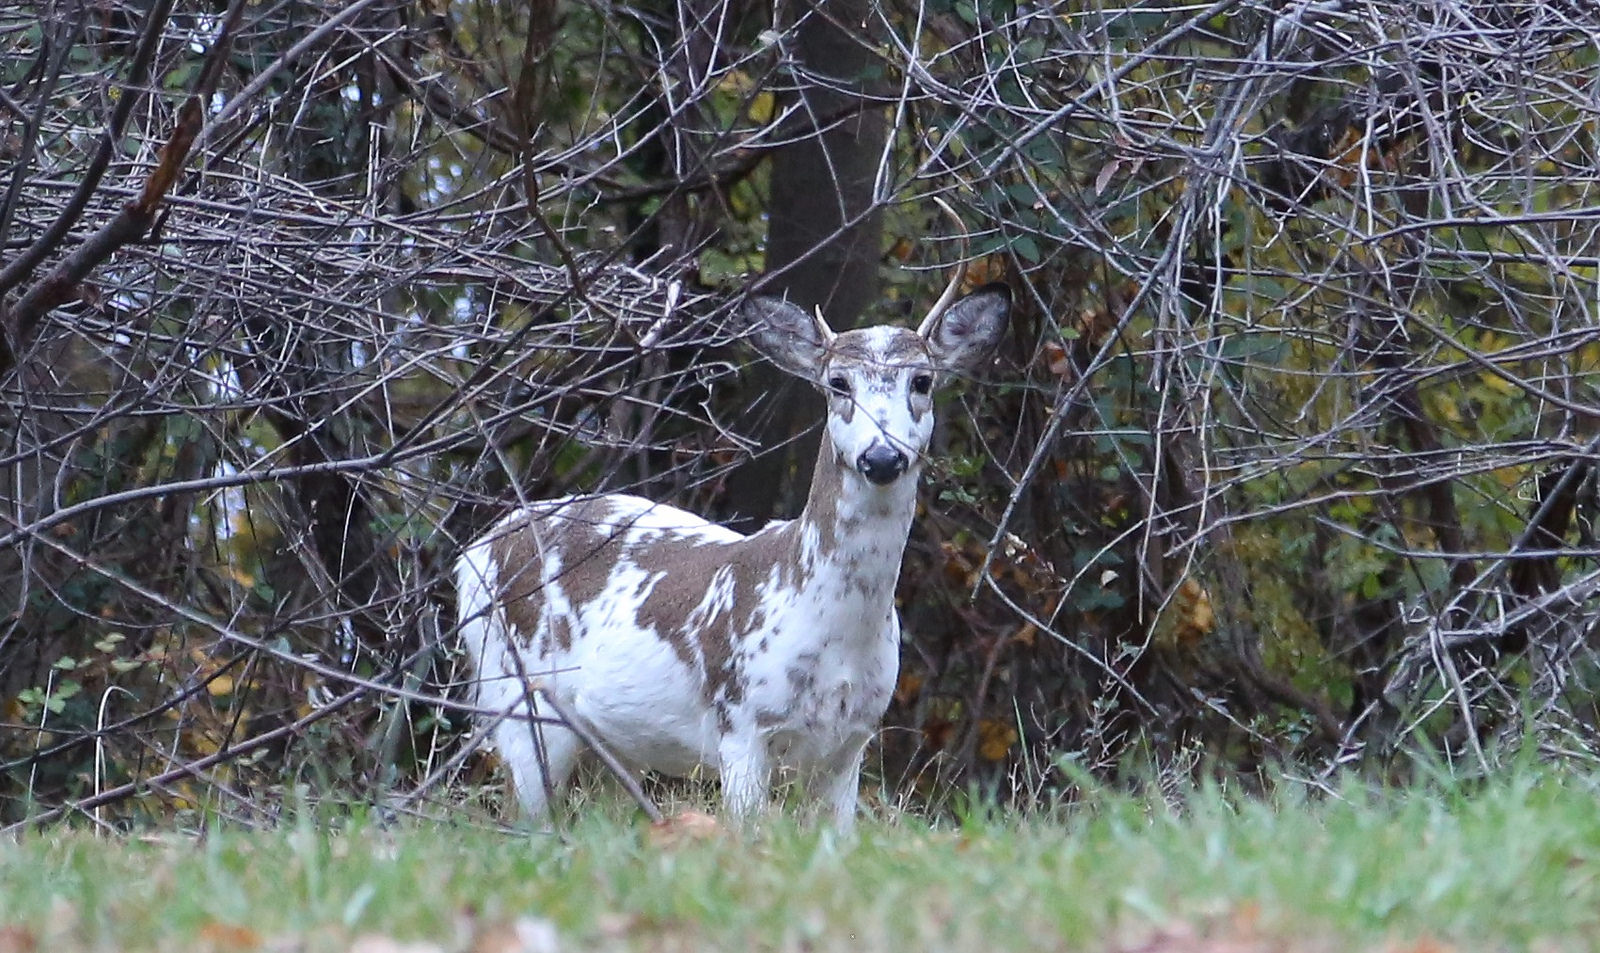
x=823, y=237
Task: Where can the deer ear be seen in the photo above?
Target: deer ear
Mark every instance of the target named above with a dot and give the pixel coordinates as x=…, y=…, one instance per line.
x=968, y=331
x=787, y=336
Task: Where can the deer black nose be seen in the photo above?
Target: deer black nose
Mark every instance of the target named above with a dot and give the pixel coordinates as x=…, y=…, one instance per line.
x=881, y=463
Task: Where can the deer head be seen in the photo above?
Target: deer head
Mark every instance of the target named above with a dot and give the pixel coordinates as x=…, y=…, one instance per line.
x=879, y=381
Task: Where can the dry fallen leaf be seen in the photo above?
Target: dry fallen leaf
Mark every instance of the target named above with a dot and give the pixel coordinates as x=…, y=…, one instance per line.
x=525, y=935
x=17, y=940
x=908, y=687
x=1425, y=944
x=1107, y=173
x=984, y=270
x=377, y=943
x=1056, y=359
x=1196, y=618
x=1240, y=931
x=62, y=919
x=685, y=827
x=1182, y=938
x=995, y=738
x=228, y=937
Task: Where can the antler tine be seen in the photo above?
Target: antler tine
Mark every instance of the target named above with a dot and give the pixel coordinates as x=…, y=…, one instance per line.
x=824, y=332
x=954, y=287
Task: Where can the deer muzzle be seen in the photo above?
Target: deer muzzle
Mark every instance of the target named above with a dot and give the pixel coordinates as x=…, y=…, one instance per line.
x=882, y=464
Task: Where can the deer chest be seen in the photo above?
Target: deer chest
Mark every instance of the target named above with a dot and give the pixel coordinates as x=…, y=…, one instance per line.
x=813, y=703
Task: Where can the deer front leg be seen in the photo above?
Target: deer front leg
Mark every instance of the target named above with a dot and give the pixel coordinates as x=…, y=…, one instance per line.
x=837, y=785
x=745, y=768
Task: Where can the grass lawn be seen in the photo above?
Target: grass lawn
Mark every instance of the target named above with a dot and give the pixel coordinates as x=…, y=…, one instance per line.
x=1511, y=865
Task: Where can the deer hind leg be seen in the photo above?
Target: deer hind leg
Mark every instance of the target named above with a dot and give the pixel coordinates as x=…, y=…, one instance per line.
x=541, y=756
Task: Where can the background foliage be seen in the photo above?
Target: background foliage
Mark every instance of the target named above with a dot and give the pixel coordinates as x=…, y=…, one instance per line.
x=1288, y=460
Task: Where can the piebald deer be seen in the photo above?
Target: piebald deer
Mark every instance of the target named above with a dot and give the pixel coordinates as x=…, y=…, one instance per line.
x=680, y=643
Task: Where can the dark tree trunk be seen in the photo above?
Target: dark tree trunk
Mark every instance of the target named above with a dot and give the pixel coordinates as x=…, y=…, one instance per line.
x=823, y=237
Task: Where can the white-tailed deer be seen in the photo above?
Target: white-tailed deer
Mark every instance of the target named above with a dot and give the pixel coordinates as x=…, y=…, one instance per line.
x=679, y=643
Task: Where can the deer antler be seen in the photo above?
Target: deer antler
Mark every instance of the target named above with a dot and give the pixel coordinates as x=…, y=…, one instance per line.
x=954, y=287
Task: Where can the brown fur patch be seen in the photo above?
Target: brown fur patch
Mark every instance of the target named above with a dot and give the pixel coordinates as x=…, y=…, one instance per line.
x=518, y=555
x=822, y=506
x=589, y=549
x=906, y=347
x=519, y=574
x=715, y=647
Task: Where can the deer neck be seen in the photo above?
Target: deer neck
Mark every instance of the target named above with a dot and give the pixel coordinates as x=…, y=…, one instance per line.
x=852, y=534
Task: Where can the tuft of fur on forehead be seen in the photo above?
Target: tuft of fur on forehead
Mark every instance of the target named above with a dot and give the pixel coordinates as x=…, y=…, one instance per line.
x=884, y=346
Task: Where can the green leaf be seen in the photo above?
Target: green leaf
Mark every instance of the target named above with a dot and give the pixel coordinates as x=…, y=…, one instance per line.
x=1025, y=248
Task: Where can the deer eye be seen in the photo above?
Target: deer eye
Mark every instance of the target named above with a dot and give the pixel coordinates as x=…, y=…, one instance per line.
x=922, y=384
x=840, y=385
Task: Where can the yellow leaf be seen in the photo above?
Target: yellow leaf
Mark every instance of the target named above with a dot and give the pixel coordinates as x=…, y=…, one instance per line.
x=995, y=738
x=736, y=81
x=1196, y=618
x=1499, y=384
x=762, y=106
x=221, y=685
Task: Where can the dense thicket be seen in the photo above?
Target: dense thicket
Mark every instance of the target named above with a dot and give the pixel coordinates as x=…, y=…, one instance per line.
x=1290, y=459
